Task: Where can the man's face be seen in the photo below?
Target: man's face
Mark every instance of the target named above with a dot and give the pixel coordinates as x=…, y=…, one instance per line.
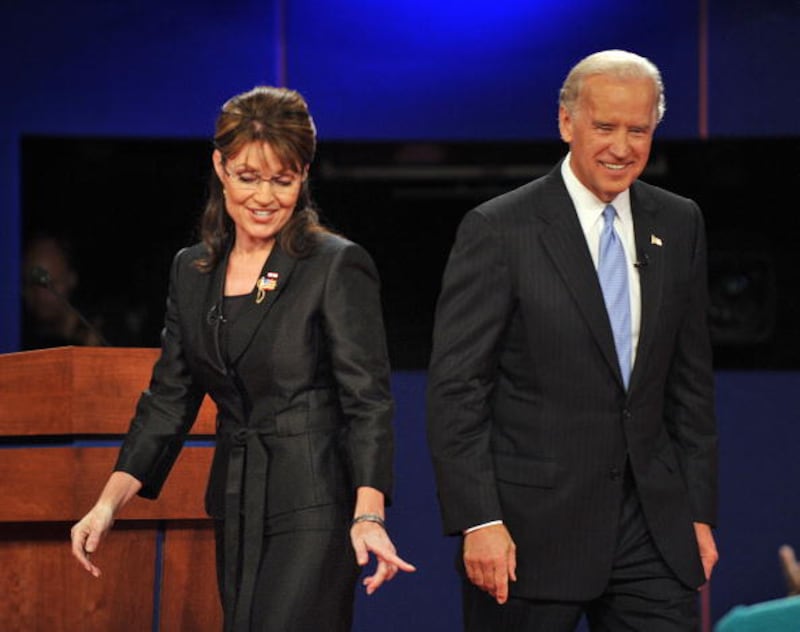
x=610, y=132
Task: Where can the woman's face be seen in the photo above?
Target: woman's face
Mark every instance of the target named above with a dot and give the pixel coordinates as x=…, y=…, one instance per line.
x=260, y=192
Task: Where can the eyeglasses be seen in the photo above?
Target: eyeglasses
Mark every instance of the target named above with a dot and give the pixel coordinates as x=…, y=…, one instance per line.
x=251, y=181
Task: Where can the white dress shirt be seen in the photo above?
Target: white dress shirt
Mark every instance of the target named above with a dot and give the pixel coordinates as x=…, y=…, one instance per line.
x=590, y=215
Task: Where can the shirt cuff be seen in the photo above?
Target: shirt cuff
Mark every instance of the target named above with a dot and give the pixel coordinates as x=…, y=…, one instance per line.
x=491, y=523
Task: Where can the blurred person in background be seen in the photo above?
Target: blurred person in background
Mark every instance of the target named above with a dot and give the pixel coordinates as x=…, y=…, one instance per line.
x=49, y=284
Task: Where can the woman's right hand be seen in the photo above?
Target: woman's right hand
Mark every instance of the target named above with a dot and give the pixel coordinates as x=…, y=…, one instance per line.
x=87, y=534
x=92, y=528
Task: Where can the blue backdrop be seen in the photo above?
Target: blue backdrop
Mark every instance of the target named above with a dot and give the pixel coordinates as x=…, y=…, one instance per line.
x=416, y=70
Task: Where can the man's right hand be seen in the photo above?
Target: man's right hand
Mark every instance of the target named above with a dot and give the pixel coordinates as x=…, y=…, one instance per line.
x=490, y=558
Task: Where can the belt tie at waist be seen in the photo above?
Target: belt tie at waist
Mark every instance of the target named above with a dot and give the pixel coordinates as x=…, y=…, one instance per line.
x=247, y=472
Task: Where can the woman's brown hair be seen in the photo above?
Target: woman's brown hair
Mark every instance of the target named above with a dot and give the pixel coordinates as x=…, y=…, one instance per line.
x=279, y=117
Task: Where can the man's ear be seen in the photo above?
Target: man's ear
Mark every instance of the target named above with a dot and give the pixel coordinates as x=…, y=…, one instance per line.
x=565, y=124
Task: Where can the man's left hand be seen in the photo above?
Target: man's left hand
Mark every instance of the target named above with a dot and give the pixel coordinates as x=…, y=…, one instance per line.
x=707, y=547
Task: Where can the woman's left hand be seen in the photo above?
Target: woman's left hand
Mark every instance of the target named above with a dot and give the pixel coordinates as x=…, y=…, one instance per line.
x=371, y=537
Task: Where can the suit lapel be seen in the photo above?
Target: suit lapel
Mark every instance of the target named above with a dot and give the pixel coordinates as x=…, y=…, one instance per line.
x=649, y=248
x=274, y=277
x=565, y=242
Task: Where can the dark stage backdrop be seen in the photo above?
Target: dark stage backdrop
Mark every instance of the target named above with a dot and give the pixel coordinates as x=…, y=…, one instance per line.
x=127, y=205
x=460, y=70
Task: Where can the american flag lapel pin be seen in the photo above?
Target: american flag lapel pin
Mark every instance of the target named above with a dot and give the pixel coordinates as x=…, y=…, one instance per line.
x=266, y=283
x=656, y=241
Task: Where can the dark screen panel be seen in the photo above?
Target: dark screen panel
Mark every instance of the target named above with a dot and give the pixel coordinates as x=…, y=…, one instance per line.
x=127, y=205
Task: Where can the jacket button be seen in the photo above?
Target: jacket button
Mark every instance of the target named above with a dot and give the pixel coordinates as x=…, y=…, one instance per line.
x=615, y=473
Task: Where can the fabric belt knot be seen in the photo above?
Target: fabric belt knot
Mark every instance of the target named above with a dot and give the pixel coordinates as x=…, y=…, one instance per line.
x=245, y=495
x=240, y=435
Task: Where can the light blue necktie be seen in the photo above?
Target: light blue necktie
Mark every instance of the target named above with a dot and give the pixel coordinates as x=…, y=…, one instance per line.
x=613, y=272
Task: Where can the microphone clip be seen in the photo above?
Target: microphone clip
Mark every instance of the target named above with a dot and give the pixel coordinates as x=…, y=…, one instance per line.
x=215, y=315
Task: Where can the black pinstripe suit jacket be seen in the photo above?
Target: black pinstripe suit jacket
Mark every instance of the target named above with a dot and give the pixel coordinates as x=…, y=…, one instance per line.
x=528, y=418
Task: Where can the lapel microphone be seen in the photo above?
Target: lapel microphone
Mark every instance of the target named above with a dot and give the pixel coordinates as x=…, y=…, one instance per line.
x=40, y=277
x=215, y=314
x=641, y=261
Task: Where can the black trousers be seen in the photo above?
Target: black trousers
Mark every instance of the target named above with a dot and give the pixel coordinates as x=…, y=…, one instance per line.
x=306, y=581
x=642, y=593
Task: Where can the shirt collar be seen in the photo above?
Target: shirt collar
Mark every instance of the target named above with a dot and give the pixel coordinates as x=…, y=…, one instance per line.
x=588, y=206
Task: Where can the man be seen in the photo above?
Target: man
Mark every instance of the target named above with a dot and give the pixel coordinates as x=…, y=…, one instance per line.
x=572, y=424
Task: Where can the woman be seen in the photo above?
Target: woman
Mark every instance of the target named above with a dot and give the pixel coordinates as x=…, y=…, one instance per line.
x=279, y=321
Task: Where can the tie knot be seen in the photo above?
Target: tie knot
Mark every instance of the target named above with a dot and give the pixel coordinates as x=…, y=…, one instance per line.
x=608, y=214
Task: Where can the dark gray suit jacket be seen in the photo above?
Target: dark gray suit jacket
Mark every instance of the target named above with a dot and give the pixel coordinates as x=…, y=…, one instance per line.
x=528, y=418
x=307, y=387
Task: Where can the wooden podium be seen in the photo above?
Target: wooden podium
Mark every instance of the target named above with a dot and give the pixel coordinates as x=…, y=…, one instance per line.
x=63, y=412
